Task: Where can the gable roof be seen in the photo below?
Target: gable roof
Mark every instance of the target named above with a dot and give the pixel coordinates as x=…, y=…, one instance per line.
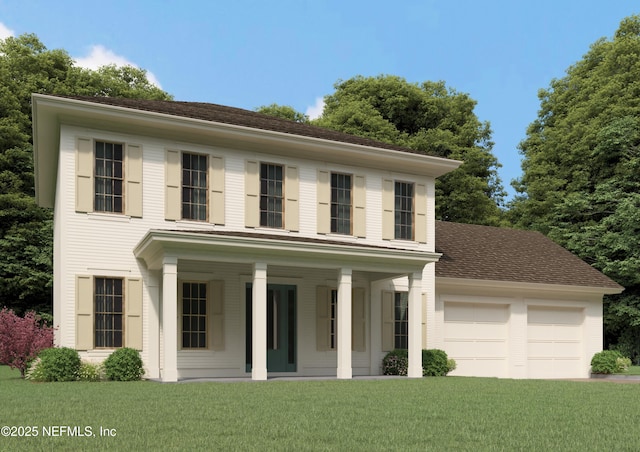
x=239, y=117
x=513, y=255
x=210, y=123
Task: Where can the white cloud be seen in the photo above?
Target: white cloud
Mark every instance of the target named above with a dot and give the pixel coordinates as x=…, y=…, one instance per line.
x=101, y=56
x=5, y=31
x=315, y=110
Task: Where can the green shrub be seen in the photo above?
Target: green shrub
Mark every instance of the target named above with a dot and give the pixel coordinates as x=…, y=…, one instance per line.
x=451, y=365
x=57, y=364
x=396, y=362
x=434, y=363
x=606, y=362
x=623, y=364
x=124, y=364
x=91, y=371
x=34, y=371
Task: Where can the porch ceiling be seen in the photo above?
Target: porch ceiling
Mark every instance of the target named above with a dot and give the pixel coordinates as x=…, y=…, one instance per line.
x=272, y=249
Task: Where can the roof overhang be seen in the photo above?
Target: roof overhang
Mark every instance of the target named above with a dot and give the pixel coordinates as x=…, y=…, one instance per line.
x=157, y=245
x=50, y=112
x=443, y=283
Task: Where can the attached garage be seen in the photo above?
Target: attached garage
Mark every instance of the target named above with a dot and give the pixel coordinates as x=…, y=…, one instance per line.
x=513, y=304
x=476, y=336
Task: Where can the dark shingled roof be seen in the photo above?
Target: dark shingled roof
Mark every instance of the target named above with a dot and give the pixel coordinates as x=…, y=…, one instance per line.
x=501, y=254
x=238, y=117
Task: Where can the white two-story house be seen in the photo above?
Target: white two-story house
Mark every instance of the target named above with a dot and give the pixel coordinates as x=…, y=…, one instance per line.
x=224, y=243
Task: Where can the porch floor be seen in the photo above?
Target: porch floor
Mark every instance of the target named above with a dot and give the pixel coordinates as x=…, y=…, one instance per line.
x=279, y=378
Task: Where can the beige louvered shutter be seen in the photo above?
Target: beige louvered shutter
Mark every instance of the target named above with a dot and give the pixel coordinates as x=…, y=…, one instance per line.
x=359, y=206
x=252, y=194
x=133, y=177
x=323, y=318
x=358, y=320
x=133, y=313
x=324, y=202
x=216, y=187
x=217, y=315
x=292, y=194
x=421, y=214
x=388, y=202
x=84, y=175
x=84, y=312
x=388, y=321
x=172, y=189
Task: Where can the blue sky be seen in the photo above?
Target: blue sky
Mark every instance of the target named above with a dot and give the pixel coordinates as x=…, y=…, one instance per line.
x=250, y=53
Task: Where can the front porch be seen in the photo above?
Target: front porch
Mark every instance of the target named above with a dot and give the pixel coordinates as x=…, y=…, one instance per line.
x=275, y=307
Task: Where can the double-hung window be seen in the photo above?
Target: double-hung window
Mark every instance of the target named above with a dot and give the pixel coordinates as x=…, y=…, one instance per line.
x=341, y=203
x=194, y=186
x=271, y=195
x=401, y=320
x=108, y=311
x=109, y=177
x=194, y=315
x=404, y=210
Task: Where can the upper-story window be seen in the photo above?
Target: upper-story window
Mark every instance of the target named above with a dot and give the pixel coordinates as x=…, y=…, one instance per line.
x=271, y=195
x=109, y=177
x=341, y=203
x=194, y=186
x=404, y=208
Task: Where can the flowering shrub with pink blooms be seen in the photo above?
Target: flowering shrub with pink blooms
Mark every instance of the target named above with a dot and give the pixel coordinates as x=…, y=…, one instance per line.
x=22, y=338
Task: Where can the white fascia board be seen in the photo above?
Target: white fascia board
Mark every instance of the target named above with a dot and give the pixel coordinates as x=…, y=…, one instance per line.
x=157, y=244
x=449, y=283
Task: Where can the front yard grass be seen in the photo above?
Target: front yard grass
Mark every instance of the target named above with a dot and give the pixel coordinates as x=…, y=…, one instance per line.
x=436, y=413
x=633, y=370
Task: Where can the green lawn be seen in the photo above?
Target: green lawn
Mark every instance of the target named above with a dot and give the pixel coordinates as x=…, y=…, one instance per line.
x=449, y=413
x=633, y=370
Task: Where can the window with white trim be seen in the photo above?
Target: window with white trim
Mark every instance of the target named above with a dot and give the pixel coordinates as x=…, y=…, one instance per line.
x=194, y=315
x=194, y=186
x=271, y=195
x=108, y=177
x=108, y=312
x=404, y=209
x=401, y=320
x=341, y=203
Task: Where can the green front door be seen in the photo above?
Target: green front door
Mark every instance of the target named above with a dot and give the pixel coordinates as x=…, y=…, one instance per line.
x=281, y=328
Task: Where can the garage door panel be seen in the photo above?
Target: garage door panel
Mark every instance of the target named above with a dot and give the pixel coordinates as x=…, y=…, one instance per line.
x=554, y=349
x=475, y=331
x=473, y=312
x=476, y=349
x=481, y=367
x=554, y=315
x=554, y=332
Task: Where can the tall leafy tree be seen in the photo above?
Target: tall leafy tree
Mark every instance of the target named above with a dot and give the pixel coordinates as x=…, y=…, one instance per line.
x=26, y=67
x=283, y=112
x=581, y=172
x=430, y=118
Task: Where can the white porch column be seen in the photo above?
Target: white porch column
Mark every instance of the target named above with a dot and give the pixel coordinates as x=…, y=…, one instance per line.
x=344, y=324
x=170, y=317
x=415, y=325
x=259, y=322
x=153, y=322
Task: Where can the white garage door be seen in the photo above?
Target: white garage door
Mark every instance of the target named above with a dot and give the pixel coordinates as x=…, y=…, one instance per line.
x=475, y=335
x=555, y=342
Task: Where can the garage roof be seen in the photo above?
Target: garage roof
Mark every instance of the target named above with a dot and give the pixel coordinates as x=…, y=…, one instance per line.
x=502, y=254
